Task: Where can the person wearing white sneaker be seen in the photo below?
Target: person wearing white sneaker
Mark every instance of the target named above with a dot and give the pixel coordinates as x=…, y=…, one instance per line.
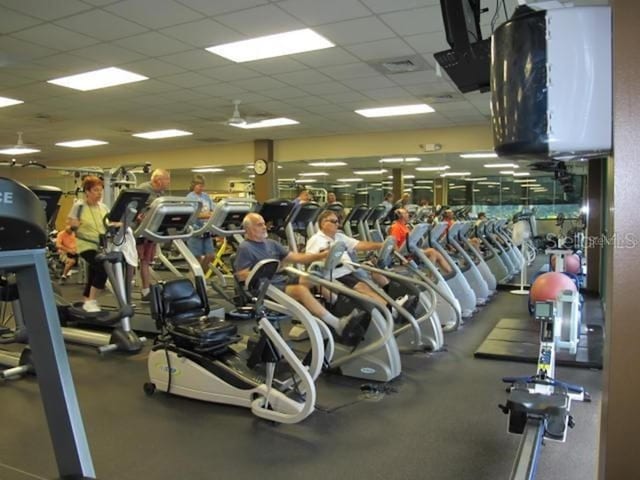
x=86, y=217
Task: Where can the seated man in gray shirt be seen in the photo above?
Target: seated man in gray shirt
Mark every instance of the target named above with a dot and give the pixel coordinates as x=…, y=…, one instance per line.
x=257, y=247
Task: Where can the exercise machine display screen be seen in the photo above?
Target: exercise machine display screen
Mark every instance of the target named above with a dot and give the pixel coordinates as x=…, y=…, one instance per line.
x=543, y=310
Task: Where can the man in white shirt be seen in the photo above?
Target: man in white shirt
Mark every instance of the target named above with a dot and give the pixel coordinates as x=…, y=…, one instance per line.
x=326, y=237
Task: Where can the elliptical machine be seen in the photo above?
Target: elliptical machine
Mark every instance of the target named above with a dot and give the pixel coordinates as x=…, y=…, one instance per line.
x=122, y=338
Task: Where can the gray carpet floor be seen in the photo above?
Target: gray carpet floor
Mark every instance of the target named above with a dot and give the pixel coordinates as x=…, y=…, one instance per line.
x=440, y=421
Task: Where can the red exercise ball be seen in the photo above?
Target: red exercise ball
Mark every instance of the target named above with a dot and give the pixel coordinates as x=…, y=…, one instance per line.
x=571, y=263
x=548, y=285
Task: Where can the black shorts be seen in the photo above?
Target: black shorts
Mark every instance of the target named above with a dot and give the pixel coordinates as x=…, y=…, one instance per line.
x=72, y=255
x=349, y=280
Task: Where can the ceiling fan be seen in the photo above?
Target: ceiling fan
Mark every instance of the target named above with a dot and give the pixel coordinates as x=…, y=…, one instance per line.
x=20, y=148
x=236, y=119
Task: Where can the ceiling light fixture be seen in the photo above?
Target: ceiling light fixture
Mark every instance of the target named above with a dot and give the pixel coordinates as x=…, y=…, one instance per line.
x=432, y=169
x=394, y=111
x=479, y=155
x=500, y=165
x=370, y=172
x=455, y=174
x=158, y=134
x=314, y=174
x=7, y=102
x=327, y=164
x=270, y=46
x=207, y=170
x=81, y=143
x=350, y=180
x=103, y=78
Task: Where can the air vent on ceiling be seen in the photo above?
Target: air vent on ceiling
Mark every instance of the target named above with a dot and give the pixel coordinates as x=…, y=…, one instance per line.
x=444, y=97
x=394, y=66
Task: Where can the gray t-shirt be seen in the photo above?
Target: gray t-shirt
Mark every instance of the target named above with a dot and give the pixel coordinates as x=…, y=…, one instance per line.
x=153, y=194
x=251, y=252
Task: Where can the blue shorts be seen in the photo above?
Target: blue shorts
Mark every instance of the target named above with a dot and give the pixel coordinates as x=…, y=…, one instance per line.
x=201, y=246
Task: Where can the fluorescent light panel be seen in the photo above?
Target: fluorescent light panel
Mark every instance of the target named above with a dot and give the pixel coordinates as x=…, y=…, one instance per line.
x=369, y=172
x=7, y=102
x=479, y=155
x=500, y=165
x=207, y=170
x=269, y=46
x=314, y=174
x=521, y=174
x=18, y=151
x=103, y=78
x=394, y=111
x=350, y=179
x=157, y=134
x=392, y=160
x=455, y=174
x=81, y=143
x=327, y=164
x=306, y=180
x=271, y=122
x=432, y=169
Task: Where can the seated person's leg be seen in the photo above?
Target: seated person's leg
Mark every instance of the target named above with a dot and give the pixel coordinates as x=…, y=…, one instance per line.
x=438, y=259
x=353, y=282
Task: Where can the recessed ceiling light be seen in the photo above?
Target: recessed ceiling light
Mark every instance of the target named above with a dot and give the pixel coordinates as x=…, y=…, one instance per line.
x=18, y=151
x=207, y=170
x=408, y=176
x=395, y=110
x=369, y=172
x=286, y=179
x=476, y=179
x=103, y=78
x=7, y=102
x=500, y=165
x=314, y=174
x=479, y=155
x=340, y=186
x=506, y=172
x=327, y=164
x=528, y=180
x=162, y=134
x=521, y=174
x=412, y=159
x=271, y=122
x=349, y=179
x=424, y=181
x=488, y=183
x=81, y=143
x=306, y=180
x=269, y=46
x=392, y=160
x=455, y=174
x=432, y=169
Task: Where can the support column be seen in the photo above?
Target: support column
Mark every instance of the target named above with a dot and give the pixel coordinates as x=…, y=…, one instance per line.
x=595, y=227
x=398, y=184
x=266, y=184
x=620, y=421
x=440, y=191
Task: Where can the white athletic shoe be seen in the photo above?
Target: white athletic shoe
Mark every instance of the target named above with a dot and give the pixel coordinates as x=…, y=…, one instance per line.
x=91, y=306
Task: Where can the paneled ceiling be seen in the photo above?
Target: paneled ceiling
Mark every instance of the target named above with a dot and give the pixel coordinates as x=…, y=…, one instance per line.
x=192, y=89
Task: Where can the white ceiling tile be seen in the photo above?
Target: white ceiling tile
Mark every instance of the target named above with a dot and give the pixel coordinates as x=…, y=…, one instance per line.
x=46, y=10
x=230, y=73
x=187, y=79
x=342, y=98
x=203, y=33
x=148, y=86
x=463, y=107
x=52, y=36
x=414, y=78
x=325, y=88
x=258, y=21
x=182, y=95
x=11, y=21
x=419, y=20
x=153, y=44
x=427, y=43
x=272, y=66
x=9, y=81
x=101, y=25
x=391, y=93
x=259, y=84
x=154, y=14
x=284, y=93
x=313, y=12
x=381, y=49
x=108, y=54
x=355, y=31
x=67, y=64
x=303, y=77
x=209, y=7
x=308, y=100
x=226, y=90
x=100, y=3
x=383, y=6
x=353, y=70
x=196, y=59
x=16, y=51
x=326, y=57
x=369, y=83
x=152, y=68
x=431, y=89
